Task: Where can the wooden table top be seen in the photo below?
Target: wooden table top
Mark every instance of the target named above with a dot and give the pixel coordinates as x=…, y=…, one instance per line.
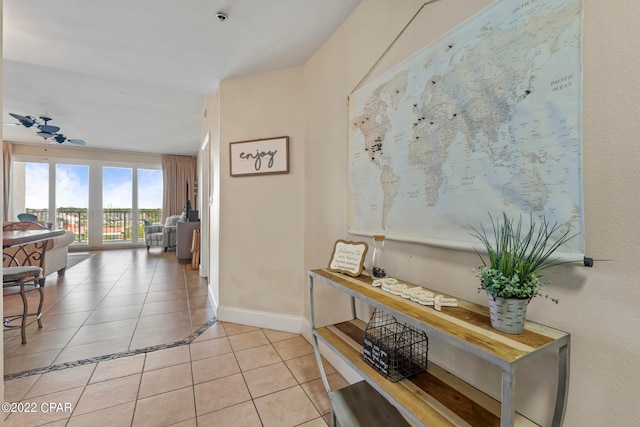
x=468, y=323
x=19, y=237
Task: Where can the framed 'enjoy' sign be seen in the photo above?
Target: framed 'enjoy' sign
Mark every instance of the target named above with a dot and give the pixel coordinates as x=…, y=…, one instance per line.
x=259, y=156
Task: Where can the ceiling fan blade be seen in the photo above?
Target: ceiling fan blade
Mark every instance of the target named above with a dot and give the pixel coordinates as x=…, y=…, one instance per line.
x=46, y=135
x=48, y=128
x=17, y=116
x=46, y=131
x=26, y=121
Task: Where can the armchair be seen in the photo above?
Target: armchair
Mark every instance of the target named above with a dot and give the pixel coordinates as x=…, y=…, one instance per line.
x=164, y=236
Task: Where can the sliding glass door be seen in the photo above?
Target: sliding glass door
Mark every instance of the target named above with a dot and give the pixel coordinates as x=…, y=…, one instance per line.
x=117, y=204
x=149, y=196
x=102, y=204
x=36, y=189
x=72, y=200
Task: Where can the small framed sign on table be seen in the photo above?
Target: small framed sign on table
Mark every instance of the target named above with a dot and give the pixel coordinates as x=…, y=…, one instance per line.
x=348, y=257
x=259, y=156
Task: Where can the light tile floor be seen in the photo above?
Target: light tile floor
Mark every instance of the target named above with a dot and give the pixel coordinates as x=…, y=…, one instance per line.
x=230, y=375
x=115, y=301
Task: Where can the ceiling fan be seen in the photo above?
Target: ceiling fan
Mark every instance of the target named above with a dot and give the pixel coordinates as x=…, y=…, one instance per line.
x=45, y=130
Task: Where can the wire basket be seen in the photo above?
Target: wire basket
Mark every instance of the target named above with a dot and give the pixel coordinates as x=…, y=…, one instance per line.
x=393, y=348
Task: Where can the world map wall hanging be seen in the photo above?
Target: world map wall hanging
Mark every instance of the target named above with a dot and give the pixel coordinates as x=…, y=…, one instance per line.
x=486, y=119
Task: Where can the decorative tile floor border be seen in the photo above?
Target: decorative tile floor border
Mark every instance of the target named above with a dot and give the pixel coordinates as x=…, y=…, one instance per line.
x=113, y=356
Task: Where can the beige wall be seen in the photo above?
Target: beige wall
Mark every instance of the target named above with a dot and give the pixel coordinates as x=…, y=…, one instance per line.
x=54, y=151
x=599, y=306
x=261, y=219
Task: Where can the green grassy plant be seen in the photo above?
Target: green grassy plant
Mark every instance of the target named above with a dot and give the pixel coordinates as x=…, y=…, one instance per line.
x=517, y=256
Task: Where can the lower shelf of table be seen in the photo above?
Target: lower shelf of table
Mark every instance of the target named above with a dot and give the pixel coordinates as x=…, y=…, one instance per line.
x=360, y=404
x=433, y=397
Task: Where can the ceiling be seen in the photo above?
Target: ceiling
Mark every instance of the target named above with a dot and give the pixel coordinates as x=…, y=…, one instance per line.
x=133, y=75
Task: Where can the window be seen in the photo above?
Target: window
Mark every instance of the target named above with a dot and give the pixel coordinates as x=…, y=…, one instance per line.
x=72, y=200
x=36, y=189
x=102, y=204
x=117, y=204
x=150, y=195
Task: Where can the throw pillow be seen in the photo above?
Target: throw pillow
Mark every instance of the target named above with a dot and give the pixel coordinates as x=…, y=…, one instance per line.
x=171, y=221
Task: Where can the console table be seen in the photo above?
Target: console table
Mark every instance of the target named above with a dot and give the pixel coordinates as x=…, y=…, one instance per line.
x=436, y=397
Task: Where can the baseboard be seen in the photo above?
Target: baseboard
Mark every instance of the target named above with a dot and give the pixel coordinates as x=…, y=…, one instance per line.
x=261, y=319
x=213, y=300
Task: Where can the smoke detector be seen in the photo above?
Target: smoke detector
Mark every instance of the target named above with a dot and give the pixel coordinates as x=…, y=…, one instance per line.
x=222, y=16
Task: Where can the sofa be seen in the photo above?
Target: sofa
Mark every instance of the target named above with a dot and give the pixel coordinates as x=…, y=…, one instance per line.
x=55, y=256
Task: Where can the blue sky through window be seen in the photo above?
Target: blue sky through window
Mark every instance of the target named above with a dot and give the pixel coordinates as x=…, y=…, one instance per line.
x=36, y=186
x=72, y=187
x=116, y=187
x=149, y=189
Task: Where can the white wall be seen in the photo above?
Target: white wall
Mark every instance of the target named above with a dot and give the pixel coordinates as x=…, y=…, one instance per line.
x=211, y=125
x=261, y=219
x=599, y=306
x=1, y=216
x=204, y=190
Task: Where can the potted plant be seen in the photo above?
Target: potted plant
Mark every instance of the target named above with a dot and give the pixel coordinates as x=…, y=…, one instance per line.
x=517, y=257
